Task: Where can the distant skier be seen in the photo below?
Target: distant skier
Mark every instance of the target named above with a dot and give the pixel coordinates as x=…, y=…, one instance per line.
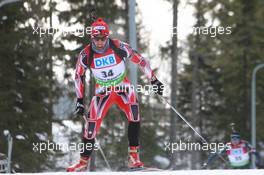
x=106, y=58
x=238, y=152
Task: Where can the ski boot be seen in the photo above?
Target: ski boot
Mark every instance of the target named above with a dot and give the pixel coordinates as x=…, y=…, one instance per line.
x=79, y=167
x=133, y=158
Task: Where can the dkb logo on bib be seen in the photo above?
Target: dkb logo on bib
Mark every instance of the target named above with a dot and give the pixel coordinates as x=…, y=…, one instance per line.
x=105, y=61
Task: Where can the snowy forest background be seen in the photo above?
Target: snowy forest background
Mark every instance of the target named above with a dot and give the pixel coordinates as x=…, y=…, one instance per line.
x=210, y=86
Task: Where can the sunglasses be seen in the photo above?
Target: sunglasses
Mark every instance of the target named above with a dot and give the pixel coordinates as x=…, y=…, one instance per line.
x=235, y=138
x=100, y=38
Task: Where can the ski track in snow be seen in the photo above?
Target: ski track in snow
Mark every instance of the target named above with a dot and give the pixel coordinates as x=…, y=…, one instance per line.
x=180, y=172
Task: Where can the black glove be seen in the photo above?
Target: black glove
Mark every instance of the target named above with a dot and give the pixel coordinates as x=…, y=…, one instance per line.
x=159, y=87
x=79, y=107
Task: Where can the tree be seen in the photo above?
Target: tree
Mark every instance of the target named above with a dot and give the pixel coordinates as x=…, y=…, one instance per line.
x=27, y=84
x=174, y=73
x=239, y=53
x=222, y=65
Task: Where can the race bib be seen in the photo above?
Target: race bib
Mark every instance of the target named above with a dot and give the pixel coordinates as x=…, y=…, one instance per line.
x=238, y=158
x=109, y=75
x=105, y=61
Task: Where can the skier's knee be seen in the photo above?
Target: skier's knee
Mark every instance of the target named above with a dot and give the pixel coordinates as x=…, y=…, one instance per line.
x=90, y=130
x=135, y=117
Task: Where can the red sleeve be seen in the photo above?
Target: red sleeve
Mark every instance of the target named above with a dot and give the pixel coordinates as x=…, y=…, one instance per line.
x=81, y=67
x=137, y=58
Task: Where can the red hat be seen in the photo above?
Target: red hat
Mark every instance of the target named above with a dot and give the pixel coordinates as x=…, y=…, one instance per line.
x=100, y=27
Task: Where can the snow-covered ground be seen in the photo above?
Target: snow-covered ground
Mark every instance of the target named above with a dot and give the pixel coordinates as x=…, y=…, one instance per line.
x=189, y=172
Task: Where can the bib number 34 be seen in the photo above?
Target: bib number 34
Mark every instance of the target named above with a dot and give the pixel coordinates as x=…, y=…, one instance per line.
x=106, y=74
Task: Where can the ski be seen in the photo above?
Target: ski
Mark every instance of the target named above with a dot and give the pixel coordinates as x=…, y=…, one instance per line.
x=144, y=169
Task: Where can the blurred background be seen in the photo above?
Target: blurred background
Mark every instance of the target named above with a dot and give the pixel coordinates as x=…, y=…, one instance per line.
x=207, y=74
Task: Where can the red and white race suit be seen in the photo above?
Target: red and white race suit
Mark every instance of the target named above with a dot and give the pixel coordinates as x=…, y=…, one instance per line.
x=238, y=155
x=112, y=84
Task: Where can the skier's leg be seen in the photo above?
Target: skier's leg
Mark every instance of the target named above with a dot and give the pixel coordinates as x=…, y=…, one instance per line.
x=88, y=147
x=98, y=109
x=133, y=133
x=128, y=103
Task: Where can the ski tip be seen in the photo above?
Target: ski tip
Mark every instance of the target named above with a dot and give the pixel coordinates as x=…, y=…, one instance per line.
x=145, y=169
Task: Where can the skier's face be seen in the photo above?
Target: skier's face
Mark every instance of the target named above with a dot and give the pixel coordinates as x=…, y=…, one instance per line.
x=99, y=41
x=235, y=140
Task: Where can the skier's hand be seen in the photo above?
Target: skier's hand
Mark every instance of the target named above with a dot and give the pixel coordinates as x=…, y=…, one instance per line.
x=79, y=107
x=159, y=87
x=252, y=150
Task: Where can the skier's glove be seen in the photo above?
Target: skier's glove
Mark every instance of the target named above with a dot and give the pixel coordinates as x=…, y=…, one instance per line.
x=158, y=86
x=252, y=150
x=79, y=107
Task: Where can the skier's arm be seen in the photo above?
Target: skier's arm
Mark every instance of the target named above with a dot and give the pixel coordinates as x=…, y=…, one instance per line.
x=80, y=82
x=80, y=75
x=144, y=66
x=212, y=157
x=250, y=148
x=135, y=57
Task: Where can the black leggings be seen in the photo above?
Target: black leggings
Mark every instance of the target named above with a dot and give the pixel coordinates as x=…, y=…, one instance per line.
x=133, y=139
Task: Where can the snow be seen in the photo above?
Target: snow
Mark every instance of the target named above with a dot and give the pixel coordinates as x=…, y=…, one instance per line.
x=163, y=161
x=17, y=109
x=6, y=132
x=4, y=18
x=42, y=136
x=62, y=135
x=5, y=2
x=21, y=71
x=181, y=172
x=19, y=97
x=20, y=137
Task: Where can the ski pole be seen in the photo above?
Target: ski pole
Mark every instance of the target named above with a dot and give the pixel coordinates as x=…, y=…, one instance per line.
x=104, y=157
x=203, y=139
